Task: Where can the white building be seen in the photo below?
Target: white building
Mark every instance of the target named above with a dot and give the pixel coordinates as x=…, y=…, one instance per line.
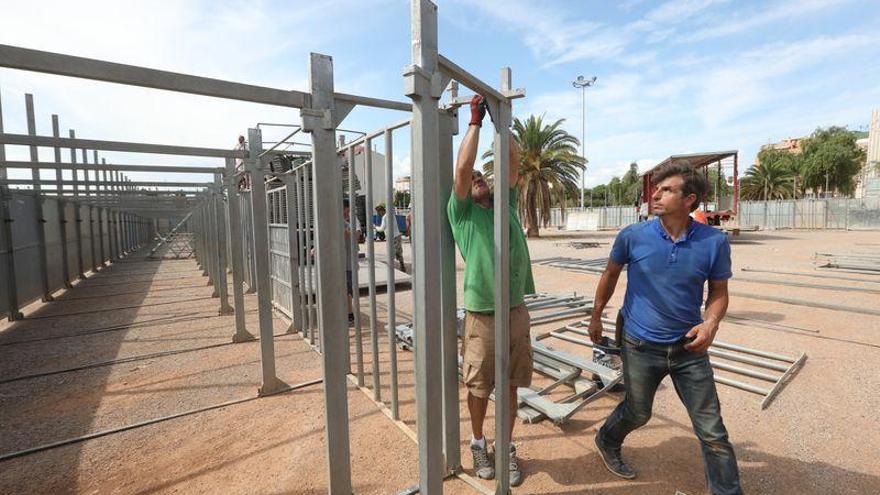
x=869, y=180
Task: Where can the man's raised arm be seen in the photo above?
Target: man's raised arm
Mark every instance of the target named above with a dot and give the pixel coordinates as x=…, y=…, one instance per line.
x=467, y=152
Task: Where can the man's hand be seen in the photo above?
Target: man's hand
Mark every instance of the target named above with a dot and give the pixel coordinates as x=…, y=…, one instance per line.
x=596, y=330
x=703, y=335
x=478, y=111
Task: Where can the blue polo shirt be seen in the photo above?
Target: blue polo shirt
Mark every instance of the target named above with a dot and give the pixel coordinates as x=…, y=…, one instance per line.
x=665, y=279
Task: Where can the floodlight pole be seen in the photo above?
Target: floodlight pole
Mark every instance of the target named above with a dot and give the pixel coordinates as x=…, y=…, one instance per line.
x=583, y=84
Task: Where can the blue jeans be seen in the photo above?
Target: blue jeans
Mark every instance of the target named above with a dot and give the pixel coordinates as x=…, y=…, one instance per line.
x=645, y=364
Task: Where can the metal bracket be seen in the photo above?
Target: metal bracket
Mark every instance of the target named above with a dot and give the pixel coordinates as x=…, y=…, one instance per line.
x=343, y=108
x=419, y=82
x=316, y=119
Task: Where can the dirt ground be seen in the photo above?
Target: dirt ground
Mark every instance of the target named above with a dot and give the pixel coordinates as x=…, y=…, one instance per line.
x=818, y=436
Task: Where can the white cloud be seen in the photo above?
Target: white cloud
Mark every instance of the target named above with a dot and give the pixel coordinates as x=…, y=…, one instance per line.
x=728, y=25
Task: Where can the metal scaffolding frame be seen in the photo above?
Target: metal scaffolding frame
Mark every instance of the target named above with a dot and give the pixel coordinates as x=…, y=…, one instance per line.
x=232, y=228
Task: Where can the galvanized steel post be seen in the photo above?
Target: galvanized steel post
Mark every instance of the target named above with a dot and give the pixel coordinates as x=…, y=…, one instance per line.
x=6, y=241
x=293, y=250
x=255, y=167
x=220, y=227
x=390, y=318
x=38, y=201
x=77, y=212
x=502, y=282
x=371, y=264
x=235, y=236
x=62, y=209
x=448, y=308
x=422, y=82
x=303, y=251
x=319, y=120
x=355, y=264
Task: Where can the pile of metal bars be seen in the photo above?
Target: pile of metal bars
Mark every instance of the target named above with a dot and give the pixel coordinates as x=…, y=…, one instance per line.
x=855, y=262
x=594, y=265
x=764, y=366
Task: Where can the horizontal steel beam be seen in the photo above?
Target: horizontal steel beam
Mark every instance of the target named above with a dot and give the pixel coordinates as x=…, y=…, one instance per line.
x=99, y=183
x=14, y=57
x=67, y=65
x=473, y=82
x=171, y=169
x=93, y=144
x=373, y=102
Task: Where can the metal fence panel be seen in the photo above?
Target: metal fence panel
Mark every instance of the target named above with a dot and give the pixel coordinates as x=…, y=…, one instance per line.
x=22, y=210
x=71, y=226
x=4, y=263
x=54, y=251
x=86, y=237
x=279, y=251
x=863, y=213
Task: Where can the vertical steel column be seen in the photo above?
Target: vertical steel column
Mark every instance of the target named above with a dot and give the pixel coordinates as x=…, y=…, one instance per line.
x=233, y=198
x=371, y=265
x=120, y=244
x=502, y=283
x=448, y=310
x=302, y=253
x=355, y=264
x=111, y=227
x=220, y=227
x=389, y=274
x=6, y=243
x=293, y=250
x=101, y=256
x=251, y=258
x=255, y=167
x=38, y=200
x=77, y=212
x=320, y=122
x=310, y=259
x=210, y=238
x=426, y=243
x=62, y=213
x=308, y=311
x=85, y=158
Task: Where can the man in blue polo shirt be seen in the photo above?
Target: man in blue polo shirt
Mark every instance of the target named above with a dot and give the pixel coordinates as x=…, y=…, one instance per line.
x=669, y=261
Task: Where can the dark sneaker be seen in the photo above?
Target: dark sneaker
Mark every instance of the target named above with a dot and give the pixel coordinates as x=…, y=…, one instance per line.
x=482, y=464
x=516, y=476
x=613, y=459
x=350, y=318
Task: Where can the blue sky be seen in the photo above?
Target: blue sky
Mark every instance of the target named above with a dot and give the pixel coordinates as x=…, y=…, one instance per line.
x=673, y=77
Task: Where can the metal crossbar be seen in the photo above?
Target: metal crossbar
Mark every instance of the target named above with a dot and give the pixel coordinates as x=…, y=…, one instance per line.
x=178, y=245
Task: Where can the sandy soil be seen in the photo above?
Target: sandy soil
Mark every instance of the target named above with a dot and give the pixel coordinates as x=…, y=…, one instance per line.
x=818, y=436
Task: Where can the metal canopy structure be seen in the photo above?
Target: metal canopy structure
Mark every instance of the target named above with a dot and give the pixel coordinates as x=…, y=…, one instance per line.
x=702, y=161
x=229, y=218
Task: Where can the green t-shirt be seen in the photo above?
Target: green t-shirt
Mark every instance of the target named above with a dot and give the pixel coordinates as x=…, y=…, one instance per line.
x=474, y=233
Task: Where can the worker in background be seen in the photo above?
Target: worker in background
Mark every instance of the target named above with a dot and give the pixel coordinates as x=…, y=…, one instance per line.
x=670, y=259
x=472, y=220
x=389, y=229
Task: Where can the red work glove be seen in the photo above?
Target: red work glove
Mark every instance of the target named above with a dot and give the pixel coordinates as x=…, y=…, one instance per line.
x=478, y=110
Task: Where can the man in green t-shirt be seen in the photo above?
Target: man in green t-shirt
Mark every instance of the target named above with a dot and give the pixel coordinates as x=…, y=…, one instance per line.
x=471, y=218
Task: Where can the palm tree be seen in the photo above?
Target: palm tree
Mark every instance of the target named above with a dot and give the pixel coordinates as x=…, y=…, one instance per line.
x=769, y=180
x=549, y=164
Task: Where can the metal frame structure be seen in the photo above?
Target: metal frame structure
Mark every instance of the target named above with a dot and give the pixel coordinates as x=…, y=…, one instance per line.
x=761, y=362
x=220, y=208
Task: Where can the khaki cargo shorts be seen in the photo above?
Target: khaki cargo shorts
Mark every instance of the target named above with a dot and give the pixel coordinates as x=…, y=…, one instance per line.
x=478, y=351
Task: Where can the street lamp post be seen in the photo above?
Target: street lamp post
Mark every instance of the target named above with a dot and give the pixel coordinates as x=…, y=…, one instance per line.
x=583, y=84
